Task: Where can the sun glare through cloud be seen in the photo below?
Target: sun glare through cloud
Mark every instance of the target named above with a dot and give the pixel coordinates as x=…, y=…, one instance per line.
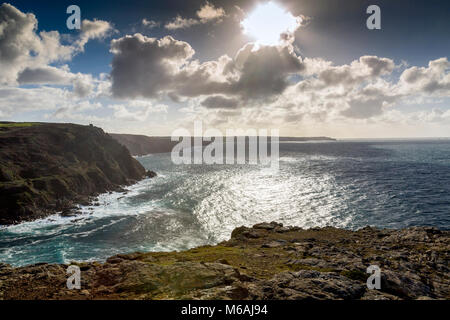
x=268, y=22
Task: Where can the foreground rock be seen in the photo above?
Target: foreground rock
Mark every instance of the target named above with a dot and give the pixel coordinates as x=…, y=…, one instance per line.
x=46, y=168
x=268, y=261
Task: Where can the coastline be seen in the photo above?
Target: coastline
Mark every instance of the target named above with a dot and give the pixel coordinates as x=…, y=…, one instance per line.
x=59, y=166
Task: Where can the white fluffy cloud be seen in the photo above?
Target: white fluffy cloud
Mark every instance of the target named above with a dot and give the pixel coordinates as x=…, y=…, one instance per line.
x=31, y=58
x=26, y=57
x=150, y=23
x=434, y=79
x=210, y=13
x=21, y=47
x=207, y=13
x=96, y=29
x=181, y=23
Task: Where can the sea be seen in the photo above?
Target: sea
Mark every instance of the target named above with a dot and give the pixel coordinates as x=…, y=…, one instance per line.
x=347, y=184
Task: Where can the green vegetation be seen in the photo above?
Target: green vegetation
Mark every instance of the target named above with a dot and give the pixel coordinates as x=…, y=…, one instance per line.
x=17, y=124
x=355, y=275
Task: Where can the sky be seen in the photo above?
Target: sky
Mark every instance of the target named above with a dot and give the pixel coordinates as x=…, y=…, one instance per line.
x=305, y=67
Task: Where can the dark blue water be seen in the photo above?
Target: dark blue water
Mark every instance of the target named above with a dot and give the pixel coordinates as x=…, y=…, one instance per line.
x=349, y=184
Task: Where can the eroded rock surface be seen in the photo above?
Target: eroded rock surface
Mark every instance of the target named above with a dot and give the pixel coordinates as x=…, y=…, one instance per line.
x=268, y=261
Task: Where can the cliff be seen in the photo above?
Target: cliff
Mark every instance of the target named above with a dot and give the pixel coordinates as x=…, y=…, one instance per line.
x=267, y=261
x=49, y=167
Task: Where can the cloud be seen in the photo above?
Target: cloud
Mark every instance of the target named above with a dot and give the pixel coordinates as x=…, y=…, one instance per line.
x=21, y=47
x=210, y=13
x=377, y=66
x=149, y=67
x=261, y=85
x=367, y=67
x=73, y=111
x=137, y=110
x=145, y=66
x=16, y=100
x=26, y=57
x=150, y=24
x=362, y=109
x=96, y=29
x=45, y=75
x=269, y=82
x=83, y=85
x=17, y=37
x=181, y=23
x=320, y=93
x=207, y=13
x=434, y=79
x=219, y=102
x=263, y=71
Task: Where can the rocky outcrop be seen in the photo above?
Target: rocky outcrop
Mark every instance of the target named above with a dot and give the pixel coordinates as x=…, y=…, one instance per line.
x=46, y=168
x=267, y=261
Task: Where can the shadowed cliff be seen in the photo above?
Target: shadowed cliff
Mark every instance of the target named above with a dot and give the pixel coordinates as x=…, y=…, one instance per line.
x=49, y=167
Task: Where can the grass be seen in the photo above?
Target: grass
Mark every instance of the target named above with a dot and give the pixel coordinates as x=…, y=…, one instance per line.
x=16, y=124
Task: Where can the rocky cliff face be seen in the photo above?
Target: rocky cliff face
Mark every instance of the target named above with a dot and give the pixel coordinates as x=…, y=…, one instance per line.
x=268, y=261
x=46, y=168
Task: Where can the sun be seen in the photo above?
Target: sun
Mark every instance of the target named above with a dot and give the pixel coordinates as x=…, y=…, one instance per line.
x=267, y=22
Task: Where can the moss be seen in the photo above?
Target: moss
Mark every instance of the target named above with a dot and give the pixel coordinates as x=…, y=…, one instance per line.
x=251, y=260
x=16, y=124
x=355, y=275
